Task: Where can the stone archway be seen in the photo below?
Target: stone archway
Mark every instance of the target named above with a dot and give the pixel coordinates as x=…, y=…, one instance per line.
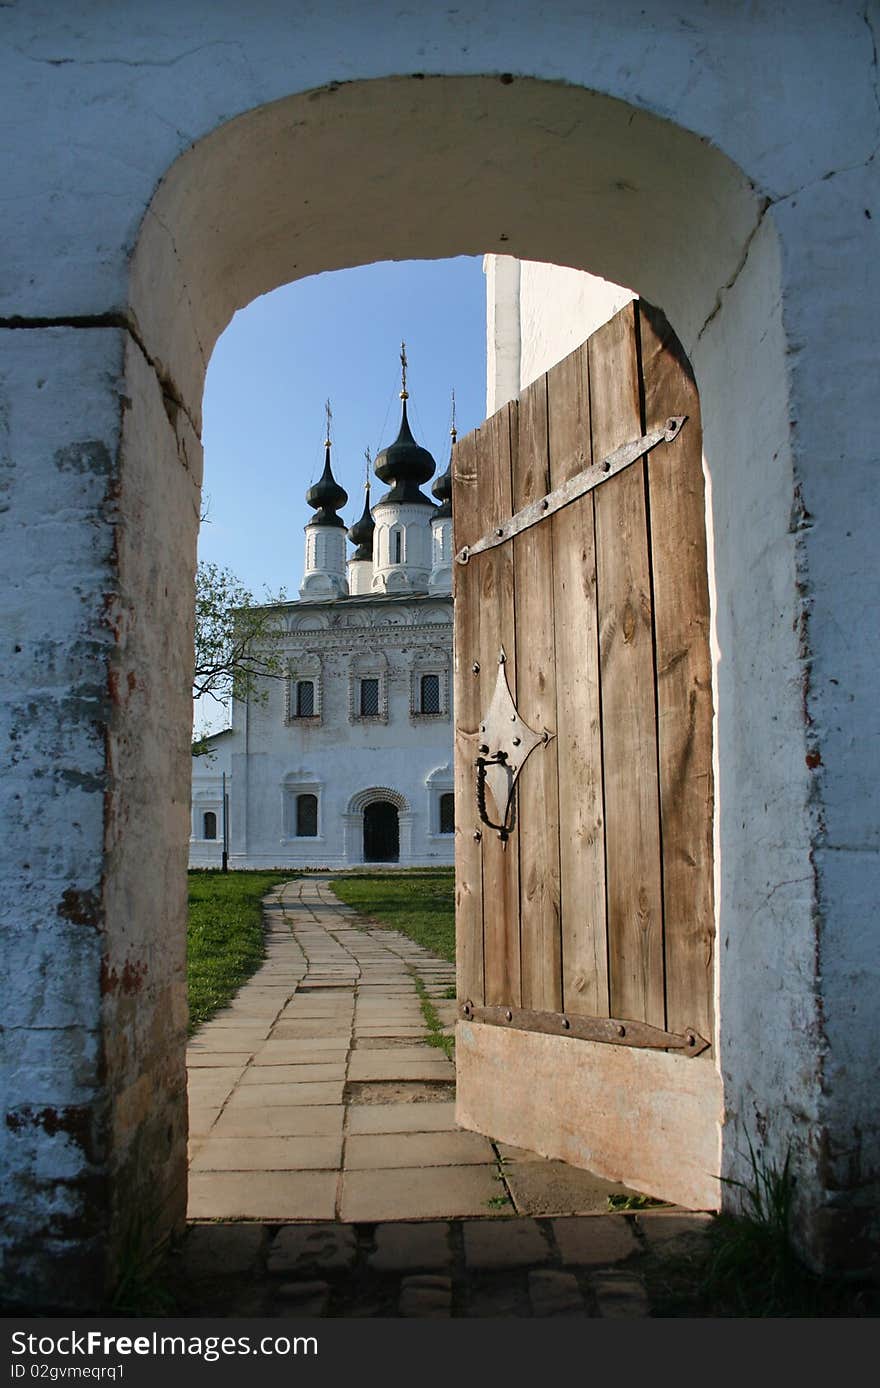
x=369, y=830
x=582, y=172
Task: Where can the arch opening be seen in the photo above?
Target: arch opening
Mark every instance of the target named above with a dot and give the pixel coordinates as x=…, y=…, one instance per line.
x=652, y=206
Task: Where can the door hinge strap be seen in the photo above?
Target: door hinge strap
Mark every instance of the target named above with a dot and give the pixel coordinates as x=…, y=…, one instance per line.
x=575, y=487
x=611, y=1031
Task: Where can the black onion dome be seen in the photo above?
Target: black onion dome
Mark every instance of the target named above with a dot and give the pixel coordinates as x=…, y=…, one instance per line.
x=442, y=489
x=403, y=465
x=361, y=533
x=326, y=496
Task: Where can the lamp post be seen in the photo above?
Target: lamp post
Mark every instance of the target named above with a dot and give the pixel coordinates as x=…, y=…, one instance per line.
x=224, y=862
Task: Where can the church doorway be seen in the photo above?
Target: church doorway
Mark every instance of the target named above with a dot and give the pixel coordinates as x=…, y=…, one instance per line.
x=381, y=832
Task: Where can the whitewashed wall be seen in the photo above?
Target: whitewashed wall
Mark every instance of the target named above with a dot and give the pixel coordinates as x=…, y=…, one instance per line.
x=535, y=315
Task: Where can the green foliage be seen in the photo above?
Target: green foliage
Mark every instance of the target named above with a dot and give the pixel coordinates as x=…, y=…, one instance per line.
x=236, y=640
x=420, y=903
x=141, y=1285
x=752, y=1261
x=224, y=936
x=436, y=1035
x=634, y=1202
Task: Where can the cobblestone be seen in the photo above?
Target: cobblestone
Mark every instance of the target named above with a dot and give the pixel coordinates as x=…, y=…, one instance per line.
x=426, y=1297
x=554, y=1293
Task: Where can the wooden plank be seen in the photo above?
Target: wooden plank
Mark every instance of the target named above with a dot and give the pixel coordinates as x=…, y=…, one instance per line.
x=684, y=677
x=579, y=732
x=537, y=788
x=466, y=708
x=626, y=653
x=501, y=935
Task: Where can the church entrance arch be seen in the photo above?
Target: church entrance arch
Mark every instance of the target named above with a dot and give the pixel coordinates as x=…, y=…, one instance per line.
x=576, y=173
x=381, y=832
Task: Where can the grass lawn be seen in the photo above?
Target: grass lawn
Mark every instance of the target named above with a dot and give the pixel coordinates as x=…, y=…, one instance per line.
x=420, y=903
x=224, y=936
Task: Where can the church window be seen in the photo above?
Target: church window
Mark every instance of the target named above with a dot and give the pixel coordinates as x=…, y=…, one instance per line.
x=429, y=694
x=396, y=547
x=305, y=698
x=369, y=698
x=306, y=816
x=209, y=825
x=447, y=813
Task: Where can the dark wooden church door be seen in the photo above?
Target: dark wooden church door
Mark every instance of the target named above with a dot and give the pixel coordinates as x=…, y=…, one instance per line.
x=381, y=832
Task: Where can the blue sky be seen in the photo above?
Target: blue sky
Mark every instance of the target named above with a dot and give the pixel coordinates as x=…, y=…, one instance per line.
x=334, y=335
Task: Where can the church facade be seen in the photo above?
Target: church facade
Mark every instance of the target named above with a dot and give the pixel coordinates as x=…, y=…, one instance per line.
x=347, y=757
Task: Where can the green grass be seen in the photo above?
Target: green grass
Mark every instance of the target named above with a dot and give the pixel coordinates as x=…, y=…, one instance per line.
x=224, y=936
x=747, y=1265
x=436, y=1035
x=420, y=903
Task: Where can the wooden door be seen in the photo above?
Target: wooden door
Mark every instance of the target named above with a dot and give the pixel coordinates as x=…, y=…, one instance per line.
x=381, y=832
x=585, y=915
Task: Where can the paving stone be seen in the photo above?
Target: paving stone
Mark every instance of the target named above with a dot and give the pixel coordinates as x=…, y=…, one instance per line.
x=410, y=1247
x=594, y=1240
x=398, y=1065
x=507, y=1298
x=330, y=1247
x=204, y=1080
x=207, y=1060
x=553, y=1188
x=401, y=1118
x=407, y=1031
x=288, y=1120
x=227, y=1249
x=620, y=1295
x=327, y=1027
x=425, y=1297
x=289, y=1053
x=227, y=1039
x=263, y=1095
x=269, y=1196
x=503, y=1243
x=234, y=1016
x=305, y=1298
x=202, y=1119
x=554, y=1293
x=314, y=1048
x=508, y=1153
x=306, y=1073
x=660, y=1228
x=437, y=1192
x=269, y=1154
x=373, y=1151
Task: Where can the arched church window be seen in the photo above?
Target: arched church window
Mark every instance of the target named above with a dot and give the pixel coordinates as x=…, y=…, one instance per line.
x=209, y=825
x=396, y=547
x=306, y=816
x=429, y=694
x=305, y=698
x=447, y=813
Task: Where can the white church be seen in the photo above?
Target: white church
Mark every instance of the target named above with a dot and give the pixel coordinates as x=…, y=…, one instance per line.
x=348, y=758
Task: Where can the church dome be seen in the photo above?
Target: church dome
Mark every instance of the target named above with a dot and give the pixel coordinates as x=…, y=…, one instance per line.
x=442, y=489
x=361, y=533
x=403, y=465
x=326, y=496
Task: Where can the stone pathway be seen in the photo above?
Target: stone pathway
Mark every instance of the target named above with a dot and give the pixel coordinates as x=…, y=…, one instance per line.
x=322, y=1124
